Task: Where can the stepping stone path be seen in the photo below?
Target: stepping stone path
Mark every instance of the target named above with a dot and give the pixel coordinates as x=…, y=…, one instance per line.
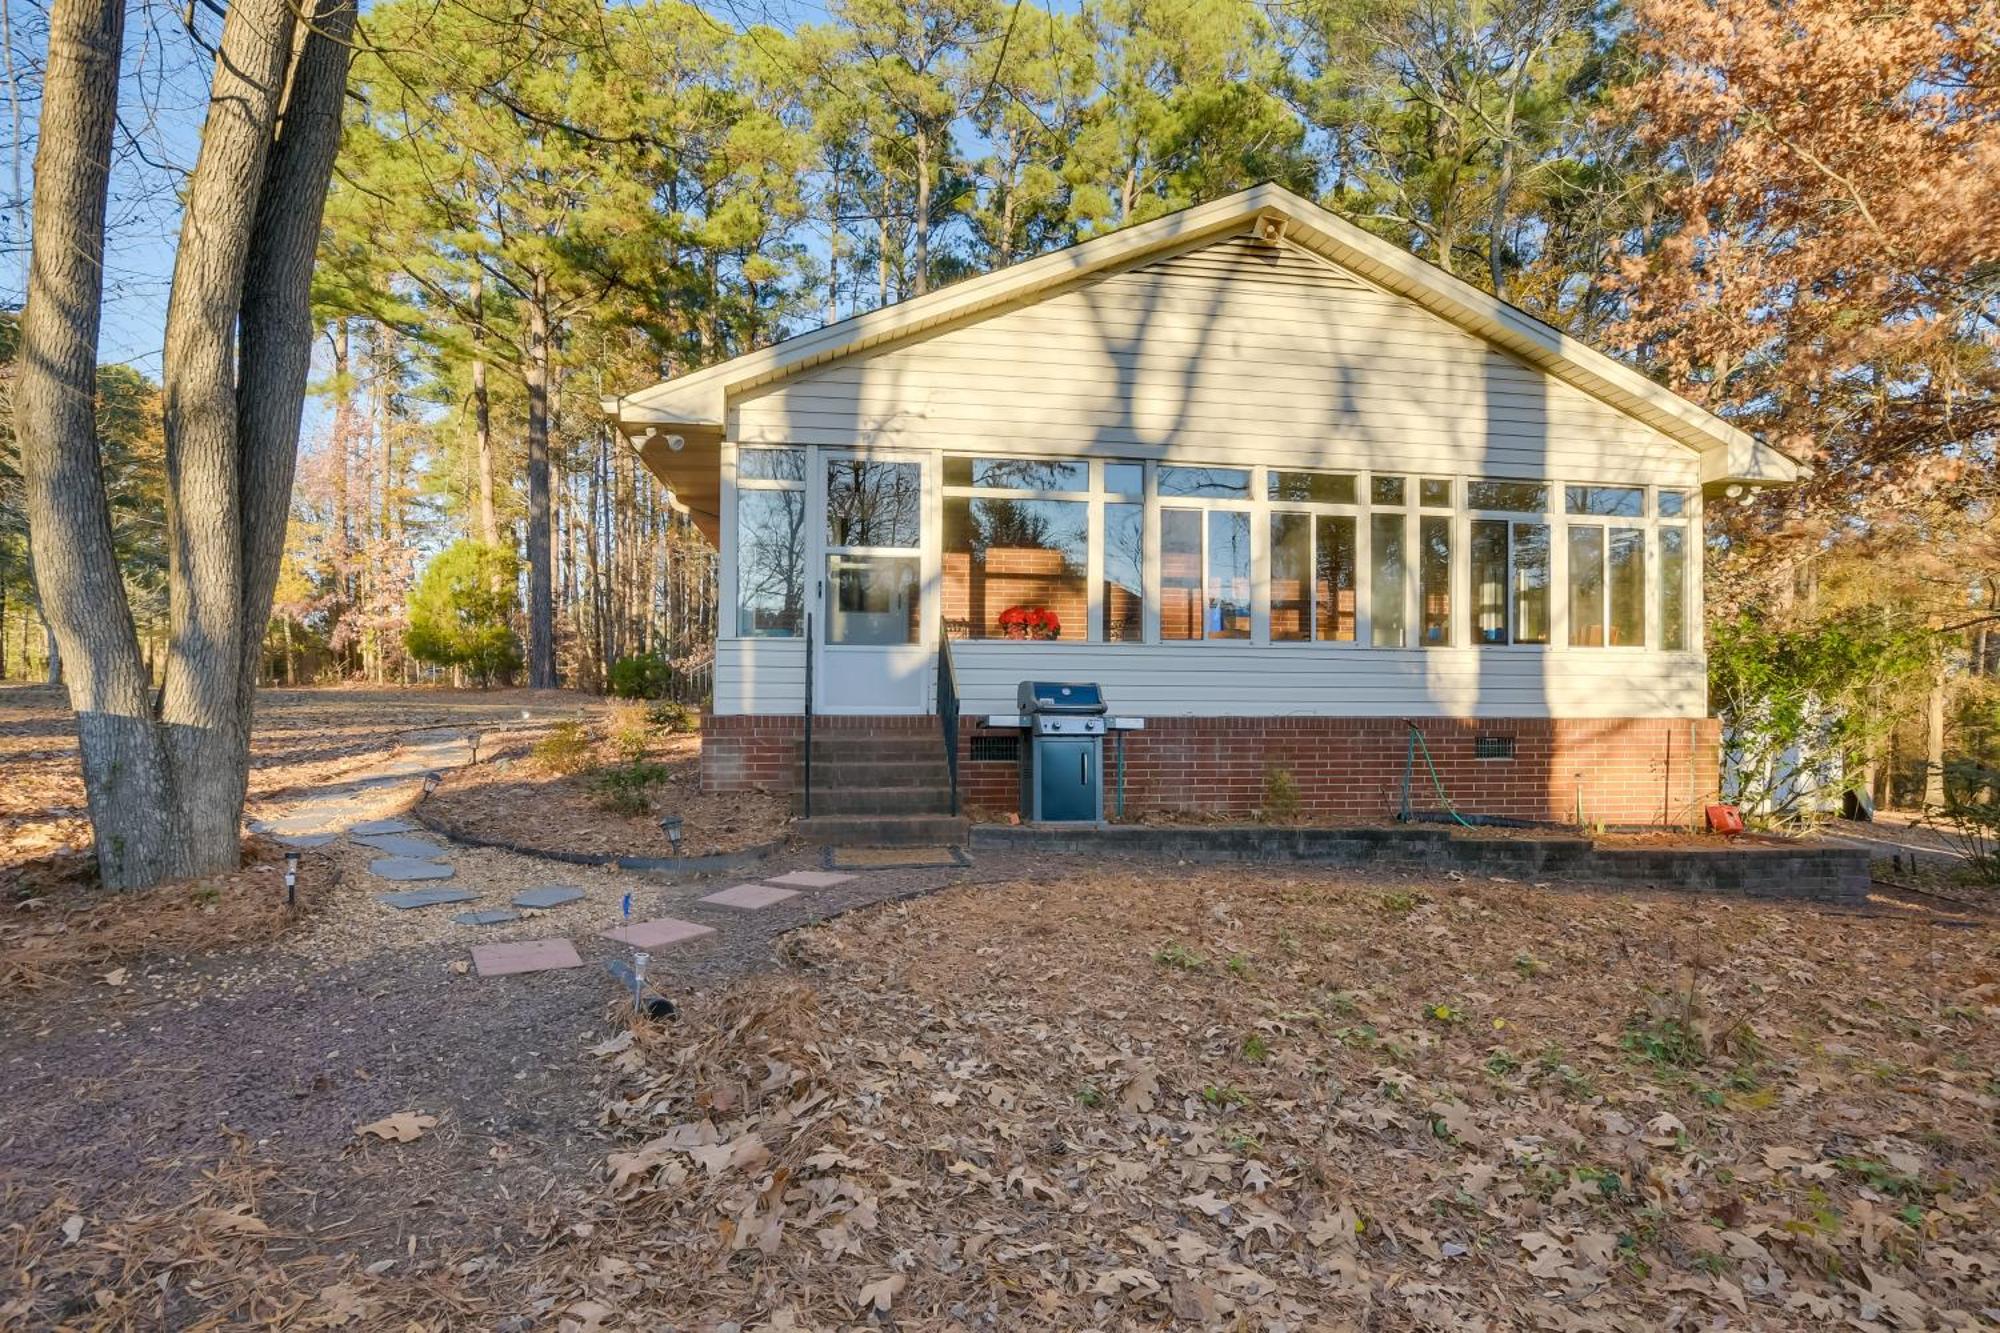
x=750, y=897
x=503, y=960
x=369, y=828
x=413, y=898
x=549, y=895
x=657, y=934
x=490, y=917
x=402, y=844
x=810, y=879
x=406, y=868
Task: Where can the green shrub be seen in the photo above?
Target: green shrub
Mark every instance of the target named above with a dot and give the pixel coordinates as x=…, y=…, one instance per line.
x=624, y=789
x=459, y=611
x=1970, y=816
x=1282, y=803
x=630, y=730
x=672, y=718
x=565, y=750
x=643, y=676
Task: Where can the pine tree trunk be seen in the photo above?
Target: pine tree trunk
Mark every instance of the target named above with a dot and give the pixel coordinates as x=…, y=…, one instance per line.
x=1934, y=716
x=482, y=417
x=126, y=775
x=541, y=587
x=922, y=219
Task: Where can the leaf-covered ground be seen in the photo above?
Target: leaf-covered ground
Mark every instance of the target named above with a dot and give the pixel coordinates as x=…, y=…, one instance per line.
x=1257, y=1100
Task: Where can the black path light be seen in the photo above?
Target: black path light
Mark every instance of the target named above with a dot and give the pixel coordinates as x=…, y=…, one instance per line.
x=432, y=781
x=292, y=877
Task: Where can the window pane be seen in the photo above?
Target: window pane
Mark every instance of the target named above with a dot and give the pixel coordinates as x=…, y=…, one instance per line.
x=873, y=504
x=1125, y=479
x=1489, y=580
x=1016, y=569
x=1321, y=488
x=1226, y=483
x=1124, y=573
x=1613, y=501
x=873, y=599
x=770, y=562
x=1180, y=573
x=1673, y=504
x=1531, y=583
x=1385, y=587
x=1291, y=576
x=1228, y=575
x=1520, y=497
x=1385, y=490
x=1017, y=474
x=1673, y=586
x=771, y=465
x=1434, y=493
x=1334, y=580
x=1586, y=587
x=1628, y=587
x=1434, y=573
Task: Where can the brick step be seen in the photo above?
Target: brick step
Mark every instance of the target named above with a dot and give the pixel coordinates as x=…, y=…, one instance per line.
x=878, y=800
x=877, y=748
x=881, y=830
x=832, y=775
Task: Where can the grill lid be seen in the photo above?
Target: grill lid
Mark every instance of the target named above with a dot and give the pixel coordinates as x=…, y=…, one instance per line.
x=1050, y=696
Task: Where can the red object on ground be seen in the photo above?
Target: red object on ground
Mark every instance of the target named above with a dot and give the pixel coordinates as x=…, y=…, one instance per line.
x=1724, y=819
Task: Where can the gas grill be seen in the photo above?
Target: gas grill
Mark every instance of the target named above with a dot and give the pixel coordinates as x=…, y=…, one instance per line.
x=1062, y=756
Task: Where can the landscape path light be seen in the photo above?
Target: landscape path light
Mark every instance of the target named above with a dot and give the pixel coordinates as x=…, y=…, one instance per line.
x=292, y=877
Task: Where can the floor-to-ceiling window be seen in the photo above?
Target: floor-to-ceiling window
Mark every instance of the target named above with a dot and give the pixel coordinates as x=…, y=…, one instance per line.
x=770, y=542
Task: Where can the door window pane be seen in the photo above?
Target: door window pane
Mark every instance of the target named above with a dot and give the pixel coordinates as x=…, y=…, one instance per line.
x=1124, y=573
x=872, y=599
x=1531, y=583
x=1586, y=587
x=1385, y=587
x=1226, y=483
x=1488, y=558
x=1434, y=575
x=872, y=503
x=1610, y=501
x=1520, y=497
x=1334, y=580
x=771, y=465
x=1323, y=488
x=1673, y=586
x=1291, y=577
x=1628, y=587
x=1228, y=610
x=1016, y=569
x=1385, y=490
x=1018, y=474
x=770, y=562
x=1180, y=574
x=1434, y=493
x=1127, y=479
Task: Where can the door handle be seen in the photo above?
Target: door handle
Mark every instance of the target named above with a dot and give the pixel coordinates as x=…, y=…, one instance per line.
x=1083, y=767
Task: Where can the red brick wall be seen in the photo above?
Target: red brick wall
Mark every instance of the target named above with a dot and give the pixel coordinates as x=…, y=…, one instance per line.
x=1628, y=770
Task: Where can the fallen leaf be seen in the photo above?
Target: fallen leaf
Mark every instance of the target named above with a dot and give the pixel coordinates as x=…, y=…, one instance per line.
x=882, y=1294
x=72, y=1227
x=402, y=1127
x=115, y=977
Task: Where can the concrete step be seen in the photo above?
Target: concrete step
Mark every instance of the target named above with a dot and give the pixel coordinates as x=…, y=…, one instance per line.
x=879, y=800
x=838, y=774
x=881, y=830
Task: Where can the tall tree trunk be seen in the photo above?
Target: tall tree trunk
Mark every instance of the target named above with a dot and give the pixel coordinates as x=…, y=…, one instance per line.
x=920, y=221
x=541, y=586
x=482, y=416
x=1934, y=715
x=343, y=434
x=126, y=776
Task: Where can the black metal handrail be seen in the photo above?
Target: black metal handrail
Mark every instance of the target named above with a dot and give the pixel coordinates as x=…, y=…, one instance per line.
x=947, y=707
x=807, y=776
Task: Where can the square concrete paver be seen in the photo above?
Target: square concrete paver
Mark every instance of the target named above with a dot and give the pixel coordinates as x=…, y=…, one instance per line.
x=402, y=844
x=403, y=867
x=549, y=895
x=811, y=879
x=750, y=897
x=413, y=898
x=373, y=826
x=657, y=934
x=491, y=917
x=504, y=960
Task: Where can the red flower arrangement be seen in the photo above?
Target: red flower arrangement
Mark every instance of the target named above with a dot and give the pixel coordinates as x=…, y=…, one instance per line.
x=1030, y=622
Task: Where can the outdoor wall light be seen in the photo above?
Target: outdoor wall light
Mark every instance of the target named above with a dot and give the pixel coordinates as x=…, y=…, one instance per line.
x=291, y=878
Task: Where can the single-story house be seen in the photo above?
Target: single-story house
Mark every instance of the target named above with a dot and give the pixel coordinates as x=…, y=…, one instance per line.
x=1285, y=491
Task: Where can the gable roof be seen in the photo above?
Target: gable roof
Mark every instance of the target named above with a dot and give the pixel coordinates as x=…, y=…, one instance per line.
x=696, y=404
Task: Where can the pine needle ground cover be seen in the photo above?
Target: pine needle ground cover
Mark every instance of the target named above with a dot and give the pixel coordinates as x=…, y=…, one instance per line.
x=1252, y=1101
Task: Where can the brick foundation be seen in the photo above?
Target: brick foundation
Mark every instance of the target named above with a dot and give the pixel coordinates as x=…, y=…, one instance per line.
x=1628, y=771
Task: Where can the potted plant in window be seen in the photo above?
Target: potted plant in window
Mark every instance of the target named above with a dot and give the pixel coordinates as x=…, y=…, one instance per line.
x=1030, y=622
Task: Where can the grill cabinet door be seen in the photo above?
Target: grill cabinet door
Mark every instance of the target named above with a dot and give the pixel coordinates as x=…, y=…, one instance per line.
x=1066, y=774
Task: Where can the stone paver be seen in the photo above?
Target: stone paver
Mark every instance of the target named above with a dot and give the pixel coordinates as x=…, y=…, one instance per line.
x=504, y=960
x=403, y=867
x=412, y=898
x=401, y=844
x=750, y=897
x=657, y=934
x=304, y=840
x=547, y=896
x=372, y=827
x=811, y=879
x=493, y=916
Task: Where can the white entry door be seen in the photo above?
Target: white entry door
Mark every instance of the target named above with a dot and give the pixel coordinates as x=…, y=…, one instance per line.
x=872, y=653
